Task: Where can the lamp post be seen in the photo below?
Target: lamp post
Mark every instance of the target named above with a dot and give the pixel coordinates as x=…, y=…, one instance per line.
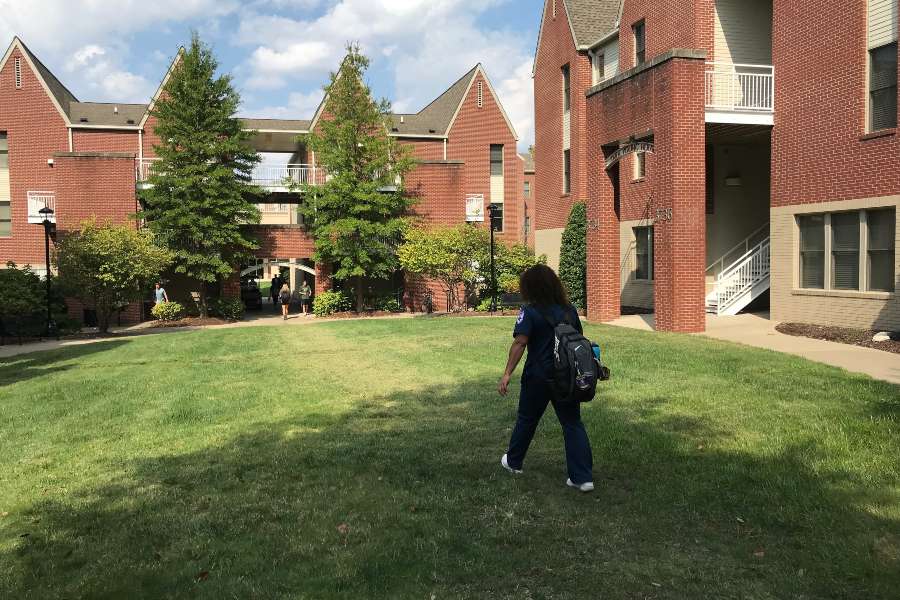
x=47, y=212
x=492, y=208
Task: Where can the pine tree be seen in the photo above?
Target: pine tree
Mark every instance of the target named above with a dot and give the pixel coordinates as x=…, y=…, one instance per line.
x=358, y=215
x=200, y=196
x=573, y=256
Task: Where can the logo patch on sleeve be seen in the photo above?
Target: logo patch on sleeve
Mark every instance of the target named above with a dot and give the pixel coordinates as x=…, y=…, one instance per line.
x=521, y=316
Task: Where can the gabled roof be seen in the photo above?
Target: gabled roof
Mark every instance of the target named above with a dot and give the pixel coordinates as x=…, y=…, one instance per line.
x=590, y=21
x=276, y=125
x=436, y=118
x=162, y=84
x=59, y=94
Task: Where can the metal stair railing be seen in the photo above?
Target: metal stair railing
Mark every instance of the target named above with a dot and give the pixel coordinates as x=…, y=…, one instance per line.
x=738, y=279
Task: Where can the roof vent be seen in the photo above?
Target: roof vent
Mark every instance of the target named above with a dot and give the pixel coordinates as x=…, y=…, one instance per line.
x=115, y=110
x=402, y=119
x=394, y=129
x=83, y=119
x=431, y=131
x=130, y=121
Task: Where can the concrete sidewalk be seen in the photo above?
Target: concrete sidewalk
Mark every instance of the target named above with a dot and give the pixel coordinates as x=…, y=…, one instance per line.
x=759, y=331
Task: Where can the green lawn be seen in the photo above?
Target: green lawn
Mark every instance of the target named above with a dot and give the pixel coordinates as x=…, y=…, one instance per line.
x=360, y=460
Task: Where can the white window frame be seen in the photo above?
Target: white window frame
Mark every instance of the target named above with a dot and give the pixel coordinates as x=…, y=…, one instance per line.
x=17, y=64
x=598, y=67
x=651, y=234
x=828, y=285
x=640, y=166
x=480, y=94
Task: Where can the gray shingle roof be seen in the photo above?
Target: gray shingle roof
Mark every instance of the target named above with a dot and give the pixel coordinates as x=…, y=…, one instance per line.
x=592, y=19
x=276, y=124
x=59, y=91
x=108, y=114
x=435, y=118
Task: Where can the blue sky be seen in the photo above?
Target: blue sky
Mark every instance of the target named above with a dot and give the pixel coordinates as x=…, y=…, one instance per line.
x=280, y=51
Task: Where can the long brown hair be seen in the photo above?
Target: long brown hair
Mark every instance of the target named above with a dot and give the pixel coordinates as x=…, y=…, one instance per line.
x=541, y=286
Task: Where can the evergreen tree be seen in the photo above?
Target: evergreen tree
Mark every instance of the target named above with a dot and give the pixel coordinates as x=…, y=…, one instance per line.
x=357, y=216
x=573, y=256
x=200, y=196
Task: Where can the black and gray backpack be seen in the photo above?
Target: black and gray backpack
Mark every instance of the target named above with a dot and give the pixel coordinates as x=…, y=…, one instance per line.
x=576, y=370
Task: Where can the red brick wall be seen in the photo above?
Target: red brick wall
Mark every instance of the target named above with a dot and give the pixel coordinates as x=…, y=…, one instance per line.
x=88, y=140
x=470, y=141
x=424, y=149
x=35, y=130
x=819, y=148
x=668, y=101
x=670, y=24
x=282, y=242
x=528, y=204
x=93, y=185
x=439, y=190
x=557, y=48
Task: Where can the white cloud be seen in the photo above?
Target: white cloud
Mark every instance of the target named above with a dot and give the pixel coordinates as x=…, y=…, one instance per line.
x=105, y=79
x=268, y=66
x=299, y=106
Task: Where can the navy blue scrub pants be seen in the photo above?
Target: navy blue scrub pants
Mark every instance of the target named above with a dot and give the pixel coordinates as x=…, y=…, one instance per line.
x=533, y=400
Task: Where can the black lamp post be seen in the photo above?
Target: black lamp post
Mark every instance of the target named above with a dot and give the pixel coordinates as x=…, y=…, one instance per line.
x=492, y=208
x=47, y=212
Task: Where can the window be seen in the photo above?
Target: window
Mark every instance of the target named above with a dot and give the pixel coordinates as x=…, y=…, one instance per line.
x=567, y=88
x=526, y=226
x=497, y=187
x=528, y=189
x=567, y=171
x=5, y=214
x=599, y=68
x=643, y=253
x=480, y=94
x=881, y=227
x=640, y=165
x=497, y=217
x=845, y=251
x=883, y=87
x=18, y=71
x=640, y=43
x=812, y=251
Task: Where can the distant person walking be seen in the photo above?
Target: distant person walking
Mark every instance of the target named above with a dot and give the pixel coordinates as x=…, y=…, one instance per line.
x=547, y=306
x=273, y=291
x=305, y=297
x=160, y=295
x=284, y=296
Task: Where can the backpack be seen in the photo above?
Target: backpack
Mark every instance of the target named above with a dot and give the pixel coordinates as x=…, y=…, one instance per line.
x=576, y=370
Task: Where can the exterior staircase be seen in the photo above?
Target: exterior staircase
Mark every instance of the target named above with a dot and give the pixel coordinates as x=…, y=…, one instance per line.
x=737, y=283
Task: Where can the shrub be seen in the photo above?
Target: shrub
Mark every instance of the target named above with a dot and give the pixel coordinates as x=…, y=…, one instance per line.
x=328, y=303
x=388, y=303
x=484, y=305
x=230, y=309
x=508, y=284
x=21, y=291
x=167, y=311
x=573, y=256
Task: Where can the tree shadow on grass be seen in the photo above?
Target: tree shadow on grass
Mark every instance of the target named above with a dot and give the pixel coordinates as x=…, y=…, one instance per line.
x=23, y=367
x=403, y=498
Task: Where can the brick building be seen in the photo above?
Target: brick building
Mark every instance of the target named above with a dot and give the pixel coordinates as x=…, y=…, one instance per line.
x=729, y=151
x=86, y=159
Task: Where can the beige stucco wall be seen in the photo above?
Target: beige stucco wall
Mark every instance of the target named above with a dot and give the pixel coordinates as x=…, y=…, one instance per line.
x=737, y=211
x=548, y=241
x=865, y=310
x=636, y=293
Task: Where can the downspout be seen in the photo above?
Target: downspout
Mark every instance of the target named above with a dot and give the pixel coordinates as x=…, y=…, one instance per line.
x=445, y=148
x=71, y=145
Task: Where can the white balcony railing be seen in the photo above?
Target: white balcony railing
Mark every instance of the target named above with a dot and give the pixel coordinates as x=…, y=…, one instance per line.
x=740, y=88
x=39, y=200
x=142, y=169
x=284, y=176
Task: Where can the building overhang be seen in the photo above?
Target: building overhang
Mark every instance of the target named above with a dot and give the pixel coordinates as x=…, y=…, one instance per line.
x=740, y=118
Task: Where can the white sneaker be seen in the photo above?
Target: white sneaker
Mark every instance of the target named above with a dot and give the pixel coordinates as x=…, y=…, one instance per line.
x=509, y=468
x=585, y=487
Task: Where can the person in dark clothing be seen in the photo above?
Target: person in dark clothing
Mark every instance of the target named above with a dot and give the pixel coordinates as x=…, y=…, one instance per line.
x=547, y=306
x=275, y=290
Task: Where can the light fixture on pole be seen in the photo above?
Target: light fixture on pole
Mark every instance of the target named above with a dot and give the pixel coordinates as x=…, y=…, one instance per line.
x=492, y=208
x=46, y=213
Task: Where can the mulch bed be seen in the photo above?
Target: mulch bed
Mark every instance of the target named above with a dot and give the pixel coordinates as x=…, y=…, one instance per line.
x=842, y=335
x=189, y=322
x=355, y=315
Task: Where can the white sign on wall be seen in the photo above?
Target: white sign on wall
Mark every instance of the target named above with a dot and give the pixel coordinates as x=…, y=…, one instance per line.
x=474, y=208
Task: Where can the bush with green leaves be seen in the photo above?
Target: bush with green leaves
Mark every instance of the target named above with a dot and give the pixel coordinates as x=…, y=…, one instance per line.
x=230, y=309
x=573, y=256
x=21, y=291
x=388, y=303
x=330, y=302
x=168, y=311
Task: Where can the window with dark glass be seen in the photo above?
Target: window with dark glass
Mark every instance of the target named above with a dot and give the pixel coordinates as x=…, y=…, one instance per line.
x=567, y=88
x=567, y=171
x=5, y=212
x=496, y=159
x=497, y=217
x=812, y=251
x=643, y=253
x=883, y=87
x=845, y=251
x=528, y=189
x=880, y=249
x=640, y=43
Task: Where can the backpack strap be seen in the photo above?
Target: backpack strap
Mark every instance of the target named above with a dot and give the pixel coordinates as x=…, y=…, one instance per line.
x=554, y=323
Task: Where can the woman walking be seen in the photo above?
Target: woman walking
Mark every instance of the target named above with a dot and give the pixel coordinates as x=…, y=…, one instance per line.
x=284, y=296
x=547, y=306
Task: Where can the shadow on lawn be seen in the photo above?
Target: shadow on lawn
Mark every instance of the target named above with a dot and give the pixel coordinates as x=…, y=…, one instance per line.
x=23, y=367
x=403, y=497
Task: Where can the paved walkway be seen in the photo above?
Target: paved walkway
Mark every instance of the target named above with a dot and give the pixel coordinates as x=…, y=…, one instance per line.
x=759, y=331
